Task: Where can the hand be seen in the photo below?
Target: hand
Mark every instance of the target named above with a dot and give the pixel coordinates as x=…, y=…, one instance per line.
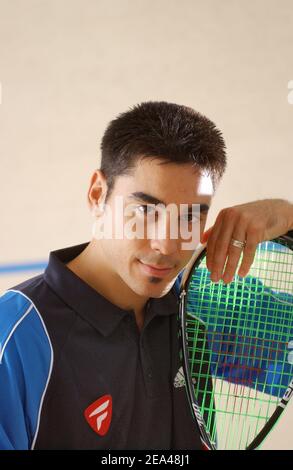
x=253, y=222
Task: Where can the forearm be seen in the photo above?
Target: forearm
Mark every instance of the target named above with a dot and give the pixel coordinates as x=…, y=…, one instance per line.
x=291, y=225
x=284, y=210
x=290, y=217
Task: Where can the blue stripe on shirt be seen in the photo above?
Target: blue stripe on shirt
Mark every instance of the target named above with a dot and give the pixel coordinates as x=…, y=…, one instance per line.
x=25, y=369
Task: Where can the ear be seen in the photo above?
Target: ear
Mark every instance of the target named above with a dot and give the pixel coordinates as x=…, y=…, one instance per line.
x=97, y=192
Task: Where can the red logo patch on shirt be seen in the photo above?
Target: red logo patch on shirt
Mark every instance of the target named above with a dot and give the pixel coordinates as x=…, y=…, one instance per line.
x=99, y=414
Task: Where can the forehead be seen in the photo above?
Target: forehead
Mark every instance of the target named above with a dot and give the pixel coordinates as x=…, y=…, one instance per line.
x=169, y=182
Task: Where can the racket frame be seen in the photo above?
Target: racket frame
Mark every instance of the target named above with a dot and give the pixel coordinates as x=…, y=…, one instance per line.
x=208, y=444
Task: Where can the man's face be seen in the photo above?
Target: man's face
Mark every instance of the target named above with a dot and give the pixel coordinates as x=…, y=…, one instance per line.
x=150, y=265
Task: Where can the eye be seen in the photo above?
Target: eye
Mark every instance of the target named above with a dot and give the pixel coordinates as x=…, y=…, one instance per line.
x=144, y=209
x=191, y=218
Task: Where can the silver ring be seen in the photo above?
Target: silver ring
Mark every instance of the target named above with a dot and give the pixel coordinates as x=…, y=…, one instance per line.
x=238, y=243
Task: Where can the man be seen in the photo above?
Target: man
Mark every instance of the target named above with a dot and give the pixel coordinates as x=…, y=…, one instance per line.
x=89, y=354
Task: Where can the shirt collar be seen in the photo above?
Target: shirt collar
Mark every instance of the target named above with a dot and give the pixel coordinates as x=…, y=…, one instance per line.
x=87, y=302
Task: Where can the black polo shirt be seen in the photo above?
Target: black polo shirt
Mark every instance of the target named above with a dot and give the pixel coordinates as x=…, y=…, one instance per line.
x=87, y=378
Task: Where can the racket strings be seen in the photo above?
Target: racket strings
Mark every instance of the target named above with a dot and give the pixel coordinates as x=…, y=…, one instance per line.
x=272, y=268
x=238, y=337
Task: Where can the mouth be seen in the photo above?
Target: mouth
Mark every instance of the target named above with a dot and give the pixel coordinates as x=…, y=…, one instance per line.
x=159, y=271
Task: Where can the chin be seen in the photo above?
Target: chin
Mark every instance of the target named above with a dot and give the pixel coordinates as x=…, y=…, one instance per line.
x=154, y=289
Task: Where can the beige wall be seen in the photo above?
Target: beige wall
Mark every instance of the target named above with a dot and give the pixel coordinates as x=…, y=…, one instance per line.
x=69, y=66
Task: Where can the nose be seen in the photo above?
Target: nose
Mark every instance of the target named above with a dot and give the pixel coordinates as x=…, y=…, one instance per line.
x=165, y=244
x=166, y=247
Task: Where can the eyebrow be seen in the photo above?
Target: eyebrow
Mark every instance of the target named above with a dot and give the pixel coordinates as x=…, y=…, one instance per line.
x=141, y=196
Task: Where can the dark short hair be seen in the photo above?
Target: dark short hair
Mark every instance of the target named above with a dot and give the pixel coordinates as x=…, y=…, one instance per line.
x=171, y=132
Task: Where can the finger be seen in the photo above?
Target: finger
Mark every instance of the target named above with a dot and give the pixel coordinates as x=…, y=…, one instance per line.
x=248, y=257
x=234, y=254
x=222, y=244
x=211, y=243
x=255, y=234
x=205, y=235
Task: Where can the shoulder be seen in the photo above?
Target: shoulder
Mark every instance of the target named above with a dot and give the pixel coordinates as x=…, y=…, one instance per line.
x=20, y=320
x=26, y=361
x=14, y=307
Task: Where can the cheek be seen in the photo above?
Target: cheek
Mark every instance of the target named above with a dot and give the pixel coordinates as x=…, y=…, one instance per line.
x=185, y=256
x=127, y=251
